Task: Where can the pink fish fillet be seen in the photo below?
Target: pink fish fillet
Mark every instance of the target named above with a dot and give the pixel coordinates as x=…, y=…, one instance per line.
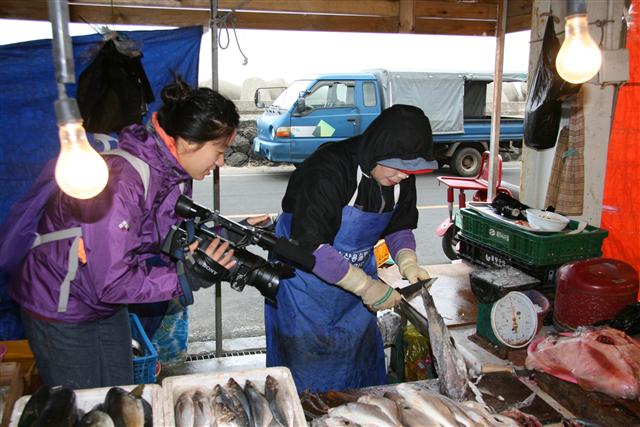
x=604, y=359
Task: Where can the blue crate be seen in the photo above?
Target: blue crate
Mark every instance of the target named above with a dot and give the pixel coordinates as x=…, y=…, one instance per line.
x=144, y=367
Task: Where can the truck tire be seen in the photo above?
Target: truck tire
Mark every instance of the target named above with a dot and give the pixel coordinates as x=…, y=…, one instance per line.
x=466, y=161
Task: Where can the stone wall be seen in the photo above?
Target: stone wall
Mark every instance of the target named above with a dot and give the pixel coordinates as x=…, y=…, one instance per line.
x=240, y=152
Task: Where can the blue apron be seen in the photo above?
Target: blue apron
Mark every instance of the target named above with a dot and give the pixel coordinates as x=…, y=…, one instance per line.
x=325, y=335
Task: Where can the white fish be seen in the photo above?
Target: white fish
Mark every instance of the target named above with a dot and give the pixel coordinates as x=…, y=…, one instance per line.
x=228, y=413
x=388, y=406
x=279, y=402
x=411, y=416
x=328, y=421
x=260, y=412
x=184, y=410
x=364, y=414
x=201, y=409
x=429, y=403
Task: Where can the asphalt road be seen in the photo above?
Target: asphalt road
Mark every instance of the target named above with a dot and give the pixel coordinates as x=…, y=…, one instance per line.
x=256, y=190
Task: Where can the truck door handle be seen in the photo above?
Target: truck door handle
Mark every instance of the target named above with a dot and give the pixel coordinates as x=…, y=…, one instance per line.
x=352, y=120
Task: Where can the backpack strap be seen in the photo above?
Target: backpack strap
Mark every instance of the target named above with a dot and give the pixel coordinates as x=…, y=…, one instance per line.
x=143, y=170
x=138, y=164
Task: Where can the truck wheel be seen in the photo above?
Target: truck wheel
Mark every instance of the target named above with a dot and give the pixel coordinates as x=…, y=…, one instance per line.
x=466, y=161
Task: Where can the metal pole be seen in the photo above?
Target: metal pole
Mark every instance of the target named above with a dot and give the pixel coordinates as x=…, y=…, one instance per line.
x=494, y=148
x=213, y=27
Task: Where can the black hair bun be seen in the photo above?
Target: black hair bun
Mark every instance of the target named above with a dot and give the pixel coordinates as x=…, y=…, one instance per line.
x=176, y=92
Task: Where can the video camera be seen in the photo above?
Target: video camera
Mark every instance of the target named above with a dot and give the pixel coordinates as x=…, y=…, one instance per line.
x=250, y=269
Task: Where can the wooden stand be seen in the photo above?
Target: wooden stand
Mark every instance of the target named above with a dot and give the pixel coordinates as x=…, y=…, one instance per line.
x=595, y=406
x=10, y=377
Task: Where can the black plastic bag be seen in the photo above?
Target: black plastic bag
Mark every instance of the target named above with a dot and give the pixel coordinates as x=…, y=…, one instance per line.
x=113, y=91
x=507, y=206
x=548, y=90
x=628, y=319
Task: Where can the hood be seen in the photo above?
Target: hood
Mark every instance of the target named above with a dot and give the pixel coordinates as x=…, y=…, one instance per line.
x=142, y=142
x=400, y=131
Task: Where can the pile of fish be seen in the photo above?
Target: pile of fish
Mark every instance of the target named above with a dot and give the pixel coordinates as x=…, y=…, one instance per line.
x=411, y=406
x=601, y=359
x=56, y=406
x=232, y=405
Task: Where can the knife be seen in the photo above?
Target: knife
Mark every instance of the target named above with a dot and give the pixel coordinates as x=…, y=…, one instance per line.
x=413, y=290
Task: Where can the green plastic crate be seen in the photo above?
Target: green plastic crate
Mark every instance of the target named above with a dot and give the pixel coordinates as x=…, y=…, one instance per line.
x=534, y=248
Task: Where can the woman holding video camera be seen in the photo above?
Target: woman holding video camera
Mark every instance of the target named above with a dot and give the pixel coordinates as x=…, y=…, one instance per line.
x=338, y=204
x=76, y=318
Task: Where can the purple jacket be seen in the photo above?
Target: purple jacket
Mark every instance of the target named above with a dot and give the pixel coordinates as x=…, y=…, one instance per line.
x=120, y=230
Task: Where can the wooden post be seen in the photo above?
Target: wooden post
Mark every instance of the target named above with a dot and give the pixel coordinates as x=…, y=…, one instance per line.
x=494, y=147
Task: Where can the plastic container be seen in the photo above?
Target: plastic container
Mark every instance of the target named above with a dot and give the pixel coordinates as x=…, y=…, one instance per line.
x=87, y=398
x=547, y=221
x=381, y=252
x=593, y=290
x=542, y=305
x=530, y=247
x=173, y=387
x=144, y=367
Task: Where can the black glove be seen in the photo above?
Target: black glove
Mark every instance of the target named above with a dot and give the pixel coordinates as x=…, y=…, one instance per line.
x=198, y=271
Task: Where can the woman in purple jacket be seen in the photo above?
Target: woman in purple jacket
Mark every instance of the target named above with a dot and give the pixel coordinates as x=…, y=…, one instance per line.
x=83, y=339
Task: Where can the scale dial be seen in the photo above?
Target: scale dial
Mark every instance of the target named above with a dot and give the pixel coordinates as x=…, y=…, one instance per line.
x=514, y=320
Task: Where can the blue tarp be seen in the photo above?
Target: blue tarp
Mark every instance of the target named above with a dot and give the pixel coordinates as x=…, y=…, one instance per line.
x=28, y=132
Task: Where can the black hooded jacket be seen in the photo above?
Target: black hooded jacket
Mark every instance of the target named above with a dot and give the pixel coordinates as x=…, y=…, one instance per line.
x=326, y=181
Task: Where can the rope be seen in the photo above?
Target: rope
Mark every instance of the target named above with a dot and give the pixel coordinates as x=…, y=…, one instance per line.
x=223, y=22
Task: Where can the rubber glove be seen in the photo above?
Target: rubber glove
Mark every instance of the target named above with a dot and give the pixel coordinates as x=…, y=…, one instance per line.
x=375, y=294
x=407, y=262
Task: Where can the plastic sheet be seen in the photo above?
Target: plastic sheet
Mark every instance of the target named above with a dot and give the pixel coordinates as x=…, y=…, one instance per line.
x=417, y=358
x=548, y=90
x=621, y=200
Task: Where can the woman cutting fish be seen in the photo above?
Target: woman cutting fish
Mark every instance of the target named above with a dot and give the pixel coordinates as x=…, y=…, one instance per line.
x=339, y=203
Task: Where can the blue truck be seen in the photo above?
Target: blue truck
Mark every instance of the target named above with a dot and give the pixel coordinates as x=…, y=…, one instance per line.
x=333, y=107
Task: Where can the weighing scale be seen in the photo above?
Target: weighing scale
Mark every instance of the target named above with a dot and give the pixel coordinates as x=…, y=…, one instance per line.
x=506, y=315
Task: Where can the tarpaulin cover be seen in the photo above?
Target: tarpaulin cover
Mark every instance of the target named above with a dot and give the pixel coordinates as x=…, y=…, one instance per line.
x=621, y=201
x=440, y=95
x=28, y=131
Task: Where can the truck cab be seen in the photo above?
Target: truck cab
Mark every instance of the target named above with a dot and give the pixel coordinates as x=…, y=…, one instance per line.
x=311, y=112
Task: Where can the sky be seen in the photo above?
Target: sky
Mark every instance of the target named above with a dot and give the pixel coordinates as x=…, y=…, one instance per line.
x=290, y=55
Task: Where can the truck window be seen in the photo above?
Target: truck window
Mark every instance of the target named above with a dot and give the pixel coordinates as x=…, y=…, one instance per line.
x=290, y=95
x=369, y=93
x=331, y=94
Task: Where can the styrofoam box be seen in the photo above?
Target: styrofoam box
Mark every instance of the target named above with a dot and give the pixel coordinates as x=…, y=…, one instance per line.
x=173, y=387
x=87, y=398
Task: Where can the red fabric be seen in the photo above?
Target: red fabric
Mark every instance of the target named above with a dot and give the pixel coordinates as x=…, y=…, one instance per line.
x=621, y=202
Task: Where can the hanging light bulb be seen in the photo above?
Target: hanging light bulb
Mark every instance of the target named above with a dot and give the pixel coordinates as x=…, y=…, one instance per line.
x=579, y=58
x=80, y=171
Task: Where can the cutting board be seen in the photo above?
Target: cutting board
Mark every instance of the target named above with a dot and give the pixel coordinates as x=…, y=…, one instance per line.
x=451, y=292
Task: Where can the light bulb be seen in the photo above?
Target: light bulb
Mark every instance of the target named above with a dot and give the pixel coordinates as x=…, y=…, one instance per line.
x=80, y=171
x=579, y=58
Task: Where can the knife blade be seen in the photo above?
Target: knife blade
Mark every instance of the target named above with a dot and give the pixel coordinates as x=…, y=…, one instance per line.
x=413, y=290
